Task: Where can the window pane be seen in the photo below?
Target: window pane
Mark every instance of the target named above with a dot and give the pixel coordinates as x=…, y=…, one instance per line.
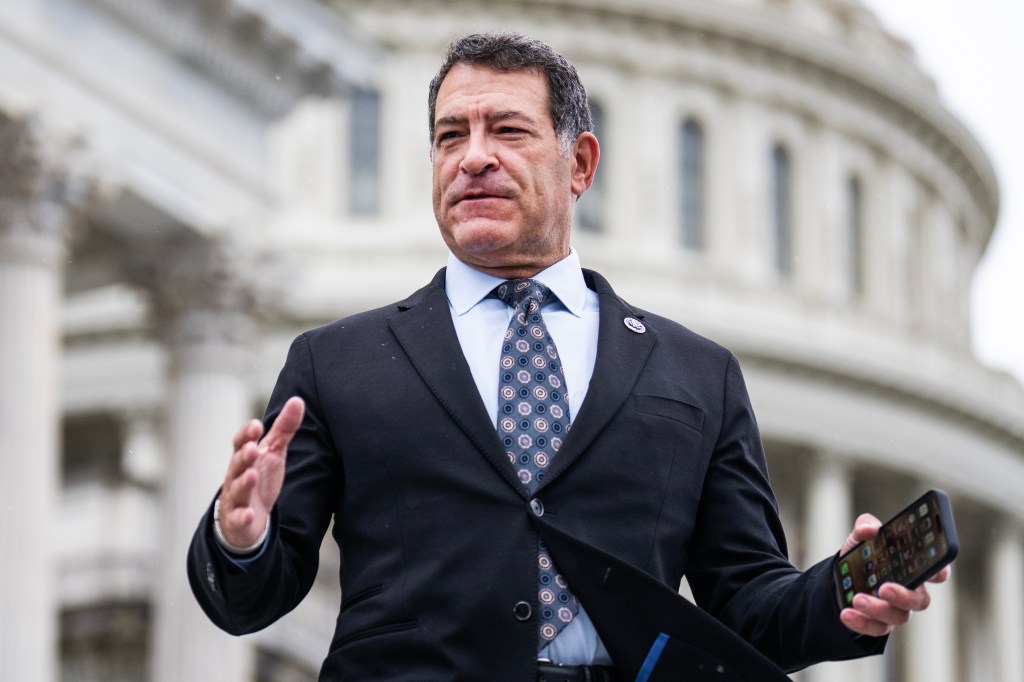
x=692, y=192
x=782, y=211
x=92, y=445
x=855, y=233
x=364, y=159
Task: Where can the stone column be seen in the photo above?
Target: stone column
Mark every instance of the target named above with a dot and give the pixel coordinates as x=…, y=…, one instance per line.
x=204, y=314
x=1006, y=603
x=34, y=220
x=829, y=518
x=931, y=638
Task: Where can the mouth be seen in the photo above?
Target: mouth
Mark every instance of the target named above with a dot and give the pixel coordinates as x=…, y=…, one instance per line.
x=477, y=196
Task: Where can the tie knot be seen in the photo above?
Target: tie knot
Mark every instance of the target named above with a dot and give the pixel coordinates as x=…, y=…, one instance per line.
x=515, y=291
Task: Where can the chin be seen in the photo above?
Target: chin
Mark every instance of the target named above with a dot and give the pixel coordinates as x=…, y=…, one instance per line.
x=481, y=236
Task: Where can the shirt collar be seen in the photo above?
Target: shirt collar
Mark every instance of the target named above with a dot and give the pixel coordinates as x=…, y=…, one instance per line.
x=466, y=286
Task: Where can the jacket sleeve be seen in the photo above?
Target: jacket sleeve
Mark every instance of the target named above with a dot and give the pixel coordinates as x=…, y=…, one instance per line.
x=243, y=601
x=739, y=570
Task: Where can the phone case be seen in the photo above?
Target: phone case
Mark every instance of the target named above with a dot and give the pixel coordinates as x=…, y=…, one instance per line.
x=910, y=548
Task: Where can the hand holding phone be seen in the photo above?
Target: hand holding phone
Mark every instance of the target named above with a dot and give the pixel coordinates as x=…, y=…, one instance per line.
x=909, y=548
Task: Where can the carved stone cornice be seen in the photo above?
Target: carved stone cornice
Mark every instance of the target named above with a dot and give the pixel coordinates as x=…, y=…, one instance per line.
x=939, y=401
x=205, y=304
x=42, y=194
x=265, y=53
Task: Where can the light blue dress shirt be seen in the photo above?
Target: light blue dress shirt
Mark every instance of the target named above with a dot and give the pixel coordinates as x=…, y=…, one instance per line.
x=480, y=322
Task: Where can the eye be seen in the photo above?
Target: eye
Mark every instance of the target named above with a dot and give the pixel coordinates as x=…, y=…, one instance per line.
x=447, y=135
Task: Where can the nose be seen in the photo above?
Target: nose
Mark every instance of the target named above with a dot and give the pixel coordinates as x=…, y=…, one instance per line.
x=480, y=157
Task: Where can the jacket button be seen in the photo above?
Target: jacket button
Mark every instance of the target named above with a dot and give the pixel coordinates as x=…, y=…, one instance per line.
x=522, y=611
x=537, y=507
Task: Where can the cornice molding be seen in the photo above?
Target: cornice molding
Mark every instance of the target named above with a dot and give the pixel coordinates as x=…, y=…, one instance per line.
x=271, y=55
x=936, y=400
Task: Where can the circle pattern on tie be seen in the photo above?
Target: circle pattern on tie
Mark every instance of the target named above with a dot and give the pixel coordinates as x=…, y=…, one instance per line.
x=531, y=381
x=532, y=392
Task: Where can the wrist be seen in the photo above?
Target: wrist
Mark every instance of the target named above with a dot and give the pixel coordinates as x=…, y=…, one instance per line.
x=218, y=533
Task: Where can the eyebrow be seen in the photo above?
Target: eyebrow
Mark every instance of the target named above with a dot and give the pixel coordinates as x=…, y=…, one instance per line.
x=494, y=117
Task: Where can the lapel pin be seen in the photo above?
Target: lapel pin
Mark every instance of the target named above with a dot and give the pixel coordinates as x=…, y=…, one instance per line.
x=634, y=325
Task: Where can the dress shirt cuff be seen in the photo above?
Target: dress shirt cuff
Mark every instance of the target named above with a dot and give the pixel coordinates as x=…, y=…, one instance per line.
x=244, y=561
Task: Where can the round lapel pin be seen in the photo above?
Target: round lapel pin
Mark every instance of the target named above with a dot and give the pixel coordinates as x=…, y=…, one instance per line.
x=634, y=325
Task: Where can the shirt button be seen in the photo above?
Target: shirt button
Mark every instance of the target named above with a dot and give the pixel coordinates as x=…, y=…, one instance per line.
x=522, y=611
x=537, y=507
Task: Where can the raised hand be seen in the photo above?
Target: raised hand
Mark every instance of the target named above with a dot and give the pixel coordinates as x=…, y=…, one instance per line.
x=255, y=474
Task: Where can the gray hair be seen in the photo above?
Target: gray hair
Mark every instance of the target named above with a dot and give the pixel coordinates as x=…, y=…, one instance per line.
x=567, y=98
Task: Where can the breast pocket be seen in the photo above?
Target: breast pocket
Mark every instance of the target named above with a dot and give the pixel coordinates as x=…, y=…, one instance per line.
x=670, y=408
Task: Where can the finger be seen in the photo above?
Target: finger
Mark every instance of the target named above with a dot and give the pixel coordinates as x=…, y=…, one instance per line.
x=881, y=610
x=241, y=524
x=864, y=528
x=863, y=624
x=942, y=576
x=904, y=599
x=250, y=431
x=287, y=423
x=243, y=459
x=237, y=492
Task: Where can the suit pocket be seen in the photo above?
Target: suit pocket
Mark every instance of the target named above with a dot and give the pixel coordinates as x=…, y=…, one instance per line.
x=670, y=408
x=360, y=596
x=388, y=629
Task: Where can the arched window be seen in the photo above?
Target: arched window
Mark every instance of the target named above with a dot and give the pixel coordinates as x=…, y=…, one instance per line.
x=364, y=153
x=855, y=233
x=782, y=209
x=691, y=193
x=591, y=205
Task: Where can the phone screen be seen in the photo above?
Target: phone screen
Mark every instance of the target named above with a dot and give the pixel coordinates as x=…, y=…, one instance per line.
x=905, y=550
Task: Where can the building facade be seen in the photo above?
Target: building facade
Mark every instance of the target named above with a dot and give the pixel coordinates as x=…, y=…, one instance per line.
x=187, y=184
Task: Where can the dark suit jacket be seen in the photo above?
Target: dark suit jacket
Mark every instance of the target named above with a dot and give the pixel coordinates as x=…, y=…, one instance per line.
x=663, y=470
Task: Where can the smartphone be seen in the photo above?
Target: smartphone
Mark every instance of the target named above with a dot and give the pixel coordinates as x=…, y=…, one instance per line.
x=910, y=547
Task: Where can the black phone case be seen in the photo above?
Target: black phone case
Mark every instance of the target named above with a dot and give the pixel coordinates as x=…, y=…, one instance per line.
x=860, y=562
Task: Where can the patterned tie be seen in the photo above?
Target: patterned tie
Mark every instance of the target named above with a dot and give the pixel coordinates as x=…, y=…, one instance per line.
x=533, y=419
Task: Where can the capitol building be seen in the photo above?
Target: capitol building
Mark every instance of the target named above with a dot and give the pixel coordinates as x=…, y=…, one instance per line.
x=185, y=185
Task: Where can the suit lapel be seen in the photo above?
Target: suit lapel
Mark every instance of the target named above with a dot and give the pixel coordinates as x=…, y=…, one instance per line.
x=424, y=329
x=622, y=353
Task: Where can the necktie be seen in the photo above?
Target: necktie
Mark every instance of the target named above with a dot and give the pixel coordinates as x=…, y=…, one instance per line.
x=533, y=419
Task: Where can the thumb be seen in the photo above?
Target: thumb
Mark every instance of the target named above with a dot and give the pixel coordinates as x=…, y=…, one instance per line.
x=864, y=528
x=285, y=425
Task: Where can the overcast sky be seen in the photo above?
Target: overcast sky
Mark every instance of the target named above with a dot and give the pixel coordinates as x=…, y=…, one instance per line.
x=974, y=50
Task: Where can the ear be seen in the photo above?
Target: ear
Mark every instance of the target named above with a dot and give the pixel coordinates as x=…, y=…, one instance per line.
x=585, y=154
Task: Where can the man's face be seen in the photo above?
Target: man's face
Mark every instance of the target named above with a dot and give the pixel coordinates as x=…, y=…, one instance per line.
x=503, y=191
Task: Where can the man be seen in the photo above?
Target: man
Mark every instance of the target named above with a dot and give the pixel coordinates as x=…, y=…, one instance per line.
x=609, y=437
